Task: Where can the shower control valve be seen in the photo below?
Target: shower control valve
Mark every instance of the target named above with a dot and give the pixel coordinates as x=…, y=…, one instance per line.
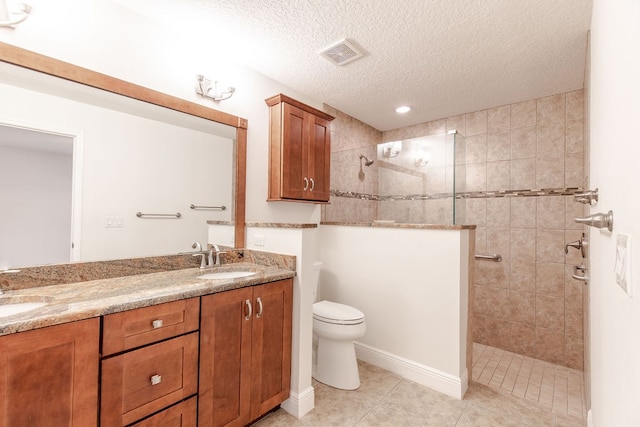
x=578, y=244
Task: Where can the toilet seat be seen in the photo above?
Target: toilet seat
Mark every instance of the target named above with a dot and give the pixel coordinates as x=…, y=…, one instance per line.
x=335, y=313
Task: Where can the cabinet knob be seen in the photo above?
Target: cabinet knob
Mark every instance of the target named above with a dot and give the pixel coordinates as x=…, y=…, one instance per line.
x=157, y=323
x=156, y=379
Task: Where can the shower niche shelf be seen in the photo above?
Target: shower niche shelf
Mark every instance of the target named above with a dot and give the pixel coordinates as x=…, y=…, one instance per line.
x=299, y=151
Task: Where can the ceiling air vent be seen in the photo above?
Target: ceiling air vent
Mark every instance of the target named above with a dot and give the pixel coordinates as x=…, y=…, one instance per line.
x=341, y=53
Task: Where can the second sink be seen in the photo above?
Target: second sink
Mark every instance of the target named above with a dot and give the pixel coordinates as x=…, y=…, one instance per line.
x=10, y=306
x=227, y=275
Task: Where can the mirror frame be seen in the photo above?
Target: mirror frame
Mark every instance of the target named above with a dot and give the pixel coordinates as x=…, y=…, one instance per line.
x=34, y=61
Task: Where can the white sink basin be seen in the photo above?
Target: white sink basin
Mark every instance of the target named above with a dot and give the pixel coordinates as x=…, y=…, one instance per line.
x=18, y=307
x=226, y=275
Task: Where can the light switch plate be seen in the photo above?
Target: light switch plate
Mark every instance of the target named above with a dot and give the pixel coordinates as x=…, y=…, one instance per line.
x=258, y=240
x=623, y=262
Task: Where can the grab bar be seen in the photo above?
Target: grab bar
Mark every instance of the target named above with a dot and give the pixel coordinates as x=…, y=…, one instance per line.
x=149, y=215
x=494, y=257
x=222, y=208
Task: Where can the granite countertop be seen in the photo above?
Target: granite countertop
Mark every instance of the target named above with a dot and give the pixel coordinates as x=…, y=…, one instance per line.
x=393, y=224
x=77, y=301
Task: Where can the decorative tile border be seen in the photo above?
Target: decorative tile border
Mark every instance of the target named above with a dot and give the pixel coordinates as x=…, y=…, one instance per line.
x=570, y=191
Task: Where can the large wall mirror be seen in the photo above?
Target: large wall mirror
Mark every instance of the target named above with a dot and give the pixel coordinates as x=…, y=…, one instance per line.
x=95, y=168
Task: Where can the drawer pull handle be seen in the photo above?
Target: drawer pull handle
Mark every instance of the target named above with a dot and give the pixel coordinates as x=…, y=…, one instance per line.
x=306, y=184
x=249, y=310
x=156, y=379
x=259, y=313
x=157, y=324
x=313, y=184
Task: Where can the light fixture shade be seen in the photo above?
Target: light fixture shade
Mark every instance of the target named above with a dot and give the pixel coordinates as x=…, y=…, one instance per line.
x=203, y=87
x=10, y=17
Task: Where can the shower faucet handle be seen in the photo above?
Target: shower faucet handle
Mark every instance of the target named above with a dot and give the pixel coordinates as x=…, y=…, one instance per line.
x=587, y=197
x=578, y=244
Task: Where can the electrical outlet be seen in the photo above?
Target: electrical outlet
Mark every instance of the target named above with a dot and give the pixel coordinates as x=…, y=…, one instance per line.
x=258, y=240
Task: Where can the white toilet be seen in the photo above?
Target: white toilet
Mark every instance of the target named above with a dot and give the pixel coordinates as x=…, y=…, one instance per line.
x=335, y=327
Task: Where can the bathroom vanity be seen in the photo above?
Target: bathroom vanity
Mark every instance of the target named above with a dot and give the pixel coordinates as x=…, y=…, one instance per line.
x=144, y=350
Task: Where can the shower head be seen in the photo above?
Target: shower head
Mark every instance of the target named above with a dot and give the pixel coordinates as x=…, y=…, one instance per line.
x=367, y=162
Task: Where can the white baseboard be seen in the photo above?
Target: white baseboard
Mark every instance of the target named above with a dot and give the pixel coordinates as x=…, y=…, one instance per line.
x=298, y=404
x=440, y=381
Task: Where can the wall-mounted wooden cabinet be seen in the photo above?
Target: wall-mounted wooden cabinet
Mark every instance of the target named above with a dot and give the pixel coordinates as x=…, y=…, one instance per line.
x=299, y=153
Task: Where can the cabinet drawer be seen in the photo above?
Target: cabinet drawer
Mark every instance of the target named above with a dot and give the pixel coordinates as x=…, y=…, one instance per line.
x=183, y=414
x=135, y=328
x=143, y=381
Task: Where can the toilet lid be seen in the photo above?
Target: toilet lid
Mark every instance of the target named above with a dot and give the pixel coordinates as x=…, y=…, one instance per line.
x=333, y=312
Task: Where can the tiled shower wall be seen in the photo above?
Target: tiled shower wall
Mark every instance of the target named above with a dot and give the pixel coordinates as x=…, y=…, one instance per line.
x=528, y=303
x=349, y=139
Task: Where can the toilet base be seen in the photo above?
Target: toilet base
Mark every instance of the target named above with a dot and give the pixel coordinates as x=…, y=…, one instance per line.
x=337, y=365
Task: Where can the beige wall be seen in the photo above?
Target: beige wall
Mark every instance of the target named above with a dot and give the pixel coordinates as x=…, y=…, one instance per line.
x=528, y=303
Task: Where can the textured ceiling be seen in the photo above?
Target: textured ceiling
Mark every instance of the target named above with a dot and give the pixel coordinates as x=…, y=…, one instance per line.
x=441, y=57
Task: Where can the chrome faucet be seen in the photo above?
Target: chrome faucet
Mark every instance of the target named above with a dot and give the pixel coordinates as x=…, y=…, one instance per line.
x=199, y=252
x=203, y=260
x=208, y=258
x=214, y=256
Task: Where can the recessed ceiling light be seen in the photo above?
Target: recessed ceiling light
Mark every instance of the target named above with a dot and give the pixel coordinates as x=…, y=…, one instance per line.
x=403, y=109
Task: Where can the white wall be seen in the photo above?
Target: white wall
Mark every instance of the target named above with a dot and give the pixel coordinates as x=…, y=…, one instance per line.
x=35, y=221
x=412, y=287
x=615, y=152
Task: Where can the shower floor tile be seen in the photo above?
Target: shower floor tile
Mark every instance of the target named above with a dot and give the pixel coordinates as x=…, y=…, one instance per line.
x=556, y=388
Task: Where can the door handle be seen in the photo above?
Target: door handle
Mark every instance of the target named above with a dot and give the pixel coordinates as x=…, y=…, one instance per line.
x=259, y=313
x=248, y=310
x=598, y=220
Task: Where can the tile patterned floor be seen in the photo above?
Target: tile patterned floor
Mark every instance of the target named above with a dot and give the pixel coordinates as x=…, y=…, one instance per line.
x=556, y=388
x=385, y=399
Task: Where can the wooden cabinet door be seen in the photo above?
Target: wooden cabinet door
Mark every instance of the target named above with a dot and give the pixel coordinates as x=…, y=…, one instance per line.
x=319, y=159
x=295, y=152
x=225, y=359
x=271, y=346
x=49, y=376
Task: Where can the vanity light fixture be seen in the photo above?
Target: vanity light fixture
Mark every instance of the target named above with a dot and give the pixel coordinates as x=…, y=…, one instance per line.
x=422, y=159
x=204, y=88
x=392, y=149
x=10, y=18
x=403, y=109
